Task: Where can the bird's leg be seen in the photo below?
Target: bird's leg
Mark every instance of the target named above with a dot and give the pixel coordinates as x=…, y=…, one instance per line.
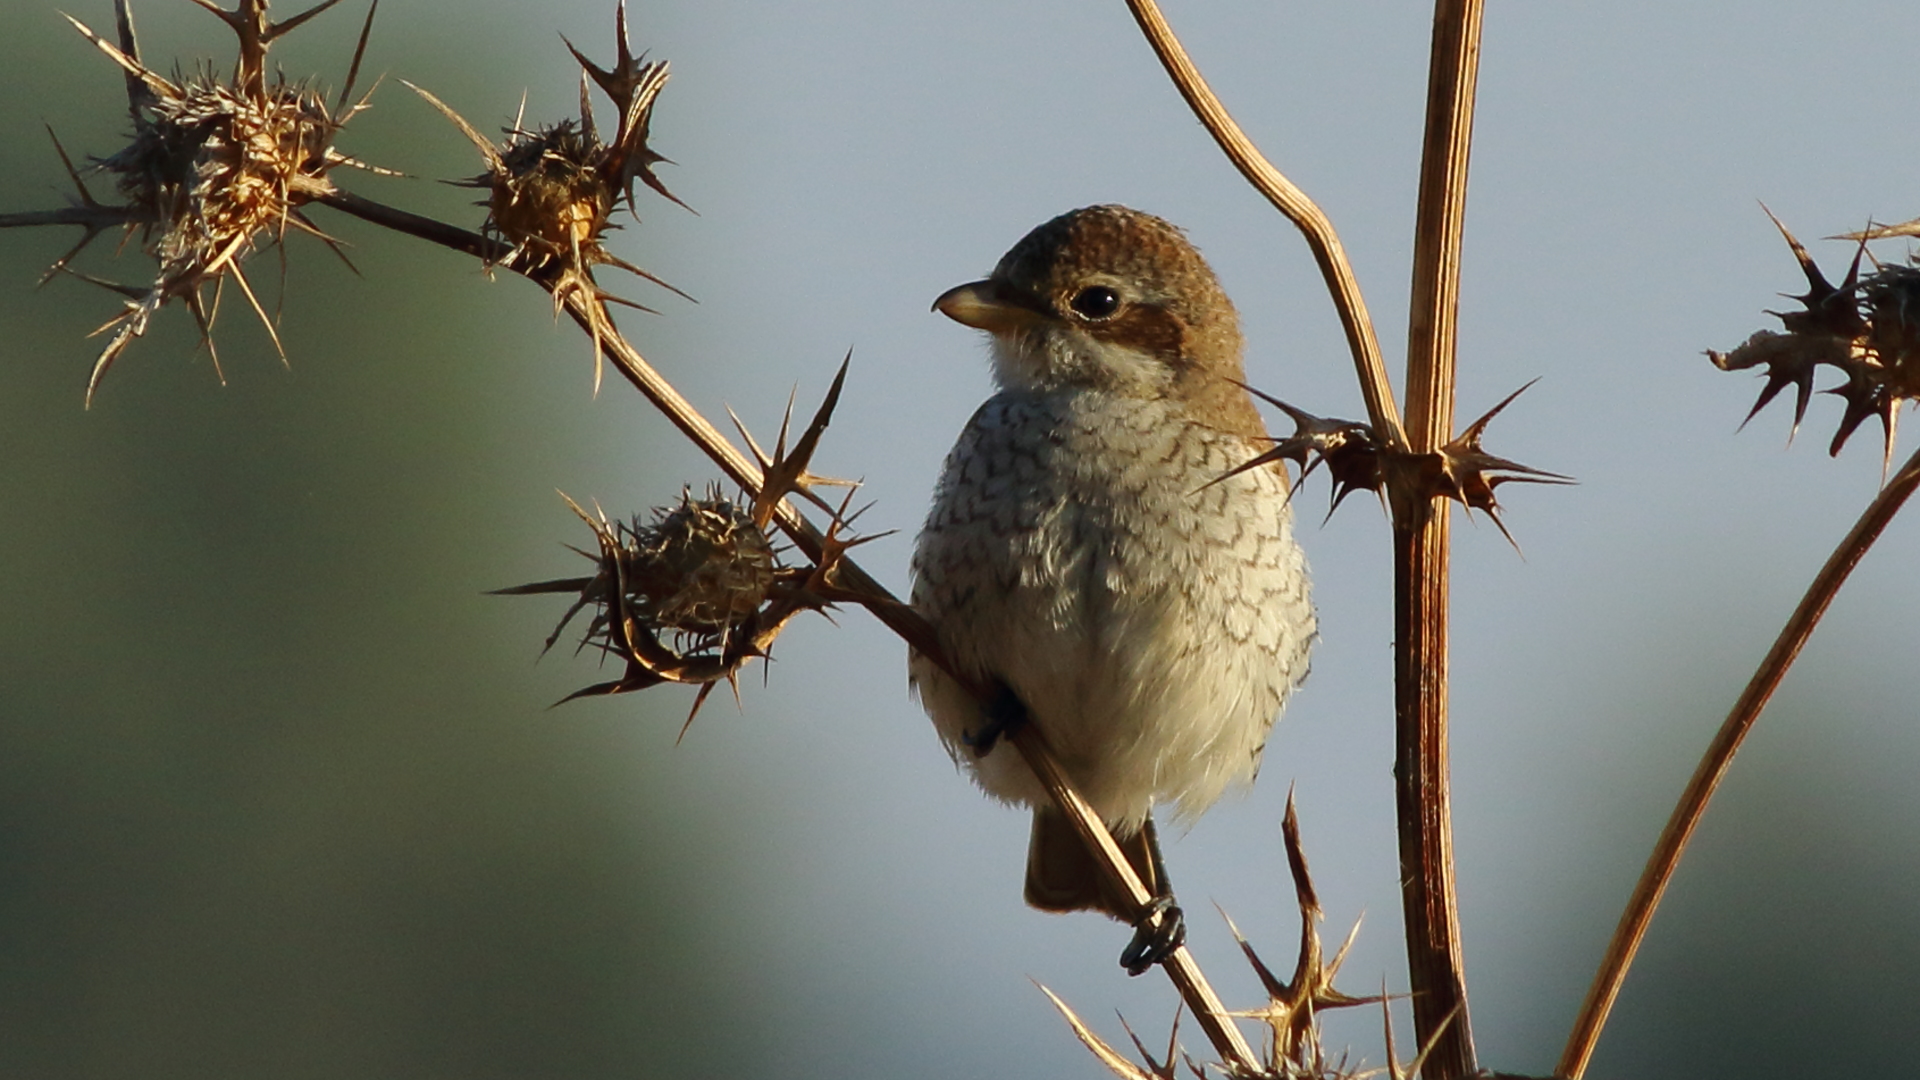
x=1160, y=927
x=1006, y=714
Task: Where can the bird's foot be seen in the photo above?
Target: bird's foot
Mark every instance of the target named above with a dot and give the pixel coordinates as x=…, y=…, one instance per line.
x=1159, y=931
x=1006, y=714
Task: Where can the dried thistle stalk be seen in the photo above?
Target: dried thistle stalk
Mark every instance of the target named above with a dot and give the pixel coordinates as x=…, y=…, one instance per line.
x=1864, y=327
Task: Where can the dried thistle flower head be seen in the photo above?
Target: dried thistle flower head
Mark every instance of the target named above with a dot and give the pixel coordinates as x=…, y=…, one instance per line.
x=690, y=596
x=552, y=191
x=700, y=570
x=1867, y=327
x=547, y=195
x=214, y=169
x=699, y=590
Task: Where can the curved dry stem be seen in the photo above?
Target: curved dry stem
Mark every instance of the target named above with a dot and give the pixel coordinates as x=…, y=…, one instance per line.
x=590, y=314
x=1714, y=763
x=1299, y=209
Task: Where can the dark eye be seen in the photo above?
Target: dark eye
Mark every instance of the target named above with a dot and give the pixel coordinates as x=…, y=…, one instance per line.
x=1095, y=302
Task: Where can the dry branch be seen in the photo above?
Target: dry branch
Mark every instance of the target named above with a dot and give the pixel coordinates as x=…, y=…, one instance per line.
x=1863, y=327
x=1298, y=208
x=1435, y=966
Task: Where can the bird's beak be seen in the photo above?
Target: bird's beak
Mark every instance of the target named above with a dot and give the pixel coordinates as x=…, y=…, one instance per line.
x=985, y=305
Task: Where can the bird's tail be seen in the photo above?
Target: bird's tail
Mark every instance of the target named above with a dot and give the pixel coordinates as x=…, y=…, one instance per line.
x=1062, y=875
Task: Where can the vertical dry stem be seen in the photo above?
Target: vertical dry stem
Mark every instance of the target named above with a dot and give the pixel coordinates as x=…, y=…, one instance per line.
x=1435, y=970
x=1714, y=763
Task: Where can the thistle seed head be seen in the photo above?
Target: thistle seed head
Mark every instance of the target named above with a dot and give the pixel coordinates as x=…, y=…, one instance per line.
x=551, y=192
x=690, y=596
x=215, y=169
x=547, y=194
x=700, y=570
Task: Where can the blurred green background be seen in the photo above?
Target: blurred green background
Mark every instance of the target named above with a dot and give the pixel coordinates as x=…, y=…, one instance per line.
x=280, y=791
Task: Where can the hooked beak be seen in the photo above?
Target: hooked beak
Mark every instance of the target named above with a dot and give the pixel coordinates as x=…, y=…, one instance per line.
x=986, y=305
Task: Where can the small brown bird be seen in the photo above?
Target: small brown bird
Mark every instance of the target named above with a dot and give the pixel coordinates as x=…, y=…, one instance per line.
x=1084, y=554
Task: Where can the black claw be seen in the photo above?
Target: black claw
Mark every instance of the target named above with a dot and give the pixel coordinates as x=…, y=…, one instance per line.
x=1006, y=714
x=1160, y=930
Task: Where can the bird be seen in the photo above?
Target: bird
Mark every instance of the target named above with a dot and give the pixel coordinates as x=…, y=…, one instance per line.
x=1093, y=556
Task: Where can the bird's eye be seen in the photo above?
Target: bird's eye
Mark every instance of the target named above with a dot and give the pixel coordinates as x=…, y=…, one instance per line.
x=1095, y=302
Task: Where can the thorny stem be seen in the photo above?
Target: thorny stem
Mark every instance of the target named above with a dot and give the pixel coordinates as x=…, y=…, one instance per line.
x=1436, y=972
x=1227, y=1040
x=402, y=221
x=1715, y=762
x=1298, y=208
x=93, y=217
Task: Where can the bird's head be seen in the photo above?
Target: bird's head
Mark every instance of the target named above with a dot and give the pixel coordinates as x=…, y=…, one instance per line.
x=1112, y=299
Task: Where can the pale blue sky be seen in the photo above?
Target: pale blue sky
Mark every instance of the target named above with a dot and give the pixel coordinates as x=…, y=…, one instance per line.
x=279, y=775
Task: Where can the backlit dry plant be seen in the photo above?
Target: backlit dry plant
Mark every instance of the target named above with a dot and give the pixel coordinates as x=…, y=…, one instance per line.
x=217, y=168
x=1357, y=460
x=552, y=192
x=1293, y=1048
x=1862, y=328
x=1866, y=328
x=699, y=591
